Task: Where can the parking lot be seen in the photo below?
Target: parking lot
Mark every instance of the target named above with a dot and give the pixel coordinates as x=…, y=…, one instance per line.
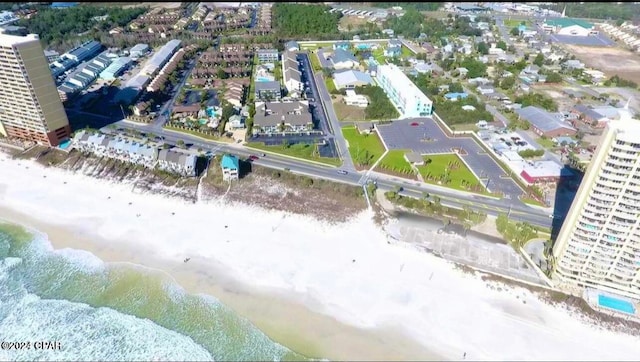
x=326, y=146
x=592, y=40
x=422, y=135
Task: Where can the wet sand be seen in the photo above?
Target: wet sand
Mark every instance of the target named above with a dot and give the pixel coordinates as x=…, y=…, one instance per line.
x=287, y=319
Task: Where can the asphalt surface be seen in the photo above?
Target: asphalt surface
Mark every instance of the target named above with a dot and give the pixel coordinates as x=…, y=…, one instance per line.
x=517, y=210
x=166, y=109
x=319, y=89
x=425, y=137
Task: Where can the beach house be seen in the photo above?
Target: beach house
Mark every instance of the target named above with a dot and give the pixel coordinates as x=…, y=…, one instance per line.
x=177, y=162
x=230, y=167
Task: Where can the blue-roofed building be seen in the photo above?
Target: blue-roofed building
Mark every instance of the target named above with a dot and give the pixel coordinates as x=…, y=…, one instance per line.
x=84, y=51
x=63, y=5
x=115, y=68
x=393, y=51
x=92, y=69
x=454, y=96
x=343, y=59
x=102, y=60
x=230, y=167
x=364, y=46
x=350, y=79
x=342, y=45
x=545, y=123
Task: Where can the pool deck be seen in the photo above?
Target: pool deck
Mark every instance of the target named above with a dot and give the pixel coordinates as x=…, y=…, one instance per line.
x=591, y=296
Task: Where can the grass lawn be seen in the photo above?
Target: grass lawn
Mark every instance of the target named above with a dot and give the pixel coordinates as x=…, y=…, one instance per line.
x=347, y=113
x=303, y=151
x=331, y=86
x=315, y=62
x=199, y=134
x=530, y=201
x=545, y=142
x=312, y=46
x=512, y=23
x=406, y=52
x=464, y=127
x=394, y=161
x=378, y=55
x=363, y=143
x=460, y=178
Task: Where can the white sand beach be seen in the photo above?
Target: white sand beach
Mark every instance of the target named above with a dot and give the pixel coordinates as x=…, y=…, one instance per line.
x=376, y=291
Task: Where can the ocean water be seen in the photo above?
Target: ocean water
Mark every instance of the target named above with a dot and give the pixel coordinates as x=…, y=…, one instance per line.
x=112, y=312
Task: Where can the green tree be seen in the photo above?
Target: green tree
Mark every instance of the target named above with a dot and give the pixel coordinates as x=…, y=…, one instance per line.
x=508, y=82
x=539, y=60
x=553, y=77
x=483, y=48
x=514, y=31
x=502, y=45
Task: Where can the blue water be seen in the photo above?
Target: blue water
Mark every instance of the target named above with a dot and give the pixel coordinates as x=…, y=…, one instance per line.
x=64, y=144
x=112, y=312
x=262, y=79
x=616, y=304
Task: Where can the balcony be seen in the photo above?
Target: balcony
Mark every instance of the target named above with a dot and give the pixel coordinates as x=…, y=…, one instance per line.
x=614, y=176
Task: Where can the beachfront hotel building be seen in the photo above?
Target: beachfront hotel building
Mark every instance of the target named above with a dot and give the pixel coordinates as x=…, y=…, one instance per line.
x=30, y=107
x=598, y=246
x=405, y=96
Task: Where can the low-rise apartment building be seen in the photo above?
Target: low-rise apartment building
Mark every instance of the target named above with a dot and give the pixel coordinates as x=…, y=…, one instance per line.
x=282, y=117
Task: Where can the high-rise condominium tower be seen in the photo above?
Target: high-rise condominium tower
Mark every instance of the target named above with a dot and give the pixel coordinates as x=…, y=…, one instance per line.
x=30, y=107
x=599, y=243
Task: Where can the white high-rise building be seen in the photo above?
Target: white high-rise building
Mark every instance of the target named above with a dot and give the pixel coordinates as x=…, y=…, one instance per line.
x=405, y=96
x=30, y=107
x=599, y=243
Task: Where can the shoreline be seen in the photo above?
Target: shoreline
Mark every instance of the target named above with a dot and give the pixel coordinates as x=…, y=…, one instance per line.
x=277, y=314
x=388, y=298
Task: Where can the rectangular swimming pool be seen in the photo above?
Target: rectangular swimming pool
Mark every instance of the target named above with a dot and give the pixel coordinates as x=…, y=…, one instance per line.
x=619, y=305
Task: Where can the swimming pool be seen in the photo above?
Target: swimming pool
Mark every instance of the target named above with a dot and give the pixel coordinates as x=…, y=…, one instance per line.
x=619, y=305
x=211, y=112
x=64, y=144
x=263, y=79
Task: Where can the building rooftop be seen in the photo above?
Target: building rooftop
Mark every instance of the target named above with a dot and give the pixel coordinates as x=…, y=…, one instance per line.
x=275, y=113
x=340, y=55
x=261, y=86
x=230, y=161
x=566, y=22
x=352, y=76
x=9, y=40
x=544, y=169
x=163, y=54
x=541, y=119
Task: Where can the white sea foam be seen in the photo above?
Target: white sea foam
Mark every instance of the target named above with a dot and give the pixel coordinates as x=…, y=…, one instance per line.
x=450, y=313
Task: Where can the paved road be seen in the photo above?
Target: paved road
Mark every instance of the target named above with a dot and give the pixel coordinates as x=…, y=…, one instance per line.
x=516, y=209
x=506, y=35
x=167, y=108
x=319, y=87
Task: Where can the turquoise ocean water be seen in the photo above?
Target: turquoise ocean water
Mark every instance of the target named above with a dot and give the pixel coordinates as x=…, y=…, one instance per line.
x=100, y=311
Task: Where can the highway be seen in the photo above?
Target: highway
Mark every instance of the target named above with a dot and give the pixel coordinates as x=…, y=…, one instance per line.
x=516, y=209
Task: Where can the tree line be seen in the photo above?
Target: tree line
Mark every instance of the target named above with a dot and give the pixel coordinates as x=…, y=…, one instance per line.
x=380, y=107
x=301, y=20
x=56, y=26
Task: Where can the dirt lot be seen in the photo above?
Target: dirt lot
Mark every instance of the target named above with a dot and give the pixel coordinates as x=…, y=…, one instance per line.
x=347, y=113
x=611, y=61
x=354, y=21
x=555, y=91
